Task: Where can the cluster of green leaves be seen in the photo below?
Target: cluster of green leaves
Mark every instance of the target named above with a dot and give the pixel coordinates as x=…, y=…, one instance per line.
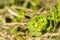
x=38, y=25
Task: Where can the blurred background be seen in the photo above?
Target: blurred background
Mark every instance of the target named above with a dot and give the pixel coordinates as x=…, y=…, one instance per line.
x=29, y=19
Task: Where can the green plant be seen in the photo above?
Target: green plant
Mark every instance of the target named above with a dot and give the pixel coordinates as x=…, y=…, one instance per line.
x=38, y=24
